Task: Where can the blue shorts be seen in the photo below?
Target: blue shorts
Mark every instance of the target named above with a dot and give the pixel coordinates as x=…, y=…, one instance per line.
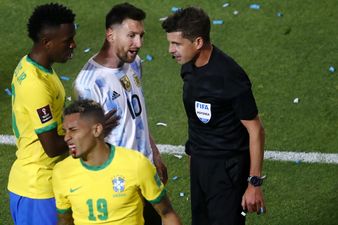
x=28, y=211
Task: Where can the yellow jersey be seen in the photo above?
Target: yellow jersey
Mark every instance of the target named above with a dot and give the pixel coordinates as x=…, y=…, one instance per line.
x=38, y=98
x=110, y=193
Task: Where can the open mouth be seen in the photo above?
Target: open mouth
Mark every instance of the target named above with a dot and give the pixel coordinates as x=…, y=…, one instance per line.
x=72, y=149
x=133, y=53
x=176, y=57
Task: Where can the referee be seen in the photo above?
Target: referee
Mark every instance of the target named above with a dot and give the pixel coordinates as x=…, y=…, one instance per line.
x=226, y=136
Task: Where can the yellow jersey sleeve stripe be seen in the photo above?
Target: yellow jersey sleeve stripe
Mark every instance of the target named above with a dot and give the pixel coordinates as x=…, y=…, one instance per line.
x=47, y=128
x=64, y=211
x=159, y=198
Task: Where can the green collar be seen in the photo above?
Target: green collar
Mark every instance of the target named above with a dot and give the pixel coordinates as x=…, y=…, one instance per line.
x=104, y=165
x=44, y=69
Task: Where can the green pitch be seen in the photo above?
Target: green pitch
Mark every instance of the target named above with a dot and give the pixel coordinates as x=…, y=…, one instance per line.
x=296, y=194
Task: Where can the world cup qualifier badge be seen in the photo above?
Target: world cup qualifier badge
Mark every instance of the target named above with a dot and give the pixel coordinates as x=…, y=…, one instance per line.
x=203, y=111
x=125, y=82
x=45, y=114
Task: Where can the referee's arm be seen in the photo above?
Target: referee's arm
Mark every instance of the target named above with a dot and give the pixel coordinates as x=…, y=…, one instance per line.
x=253, y=199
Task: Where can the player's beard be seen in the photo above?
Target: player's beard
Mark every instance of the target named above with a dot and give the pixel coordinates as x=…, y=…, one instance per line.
x=129, y=56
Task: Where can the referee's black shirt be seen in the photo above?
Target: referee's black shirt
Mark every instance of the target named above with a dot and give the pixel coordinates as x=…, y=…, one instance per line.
x=223, y=91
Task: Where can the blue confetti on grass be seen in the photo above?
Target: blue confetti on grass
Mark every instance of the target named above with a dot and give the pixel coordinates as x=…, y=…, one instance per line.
x=332, y=69
x=255, y=6
x=64, y=78
x=149, y=57
x=217, y=22
x=8, y=92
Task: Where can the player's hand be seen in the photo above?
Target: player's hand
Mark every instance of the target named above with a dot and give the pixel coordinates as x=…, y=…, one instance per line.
x=161, y=170
x=111, y=121
x=253, y=201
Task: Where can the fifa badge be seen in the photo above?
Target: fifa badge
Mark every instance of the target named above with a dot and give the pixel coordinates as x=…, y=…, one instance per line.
x=203, y=111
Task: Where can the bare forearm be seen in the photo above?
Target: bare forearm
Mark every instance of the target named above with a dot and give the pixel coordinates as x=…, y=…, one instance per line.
x=167, y=213
x=53, y=143
x=156, y=152
x=257, y=152
x=65, y=219
x=171, y=219
x=256, y=144
x=160, y=167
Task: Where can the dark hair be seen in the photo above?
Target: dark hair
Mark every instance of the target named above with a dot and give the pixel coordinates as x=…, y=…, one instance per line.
x=192, y=22
x=124, y=11
x=48, y=15
x=86, y=108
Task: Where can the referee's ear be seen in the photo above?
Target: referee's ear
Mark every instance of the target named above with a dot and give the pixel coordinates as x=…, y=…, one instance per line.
x=198, y=42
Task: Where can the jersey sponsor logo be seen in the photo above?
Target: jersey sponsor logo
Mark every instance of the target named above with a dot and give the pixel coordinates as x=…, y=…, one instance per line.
x=72, y=190
x=203, y=111
x=137, y=80
x=115, y=95
x=118, y=184
x=45, y=114
x=125, y=82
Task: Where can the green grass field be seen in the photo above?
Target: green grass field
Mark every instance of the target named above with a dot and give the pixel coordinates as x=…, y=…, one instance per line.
x=285, y=57
x=297, y=194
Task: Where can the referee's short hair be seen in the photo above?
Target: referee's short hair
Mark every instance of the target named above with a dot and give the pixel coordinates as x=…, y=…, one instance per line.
x=193, y=22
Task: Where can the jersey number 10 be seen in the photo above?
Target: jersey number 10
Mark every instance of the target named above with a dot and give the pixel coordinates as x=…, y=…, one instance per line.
x=134, y=107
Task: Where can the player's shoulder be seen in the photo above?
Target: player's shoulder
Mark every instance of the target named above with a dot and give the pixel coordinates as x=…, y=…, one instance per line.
x=87, y=75
x=26, y=71
x=65, y=164
x=128, y=151
x=129, y=154
x=29, y=77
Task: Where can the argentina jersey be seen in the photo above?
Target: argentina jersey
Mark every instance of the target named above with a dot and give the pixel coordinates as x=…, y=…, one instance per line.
x=119, y=89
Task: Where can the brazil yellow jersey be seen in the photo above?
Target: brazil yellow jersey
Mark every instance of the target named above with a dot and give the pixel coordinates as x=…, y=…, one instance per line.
x=38, y=98
x=110, y=193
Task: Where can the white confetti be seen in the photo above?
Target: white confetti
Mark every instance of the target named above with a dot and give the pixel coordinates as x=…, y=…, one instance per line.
x=161, y=124
x=163, y=18
x=178, y=156
x=226, y=5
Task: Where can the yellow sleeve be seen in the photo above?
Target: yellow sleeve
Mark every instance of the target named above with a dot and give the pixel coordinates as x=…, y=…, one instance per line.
x=60, y=191
x=37, y=98
x=151, y=186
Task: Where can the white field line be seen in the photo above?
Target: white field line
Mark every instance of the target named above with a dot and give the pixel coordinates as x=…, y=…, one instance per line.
x=310, y=157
